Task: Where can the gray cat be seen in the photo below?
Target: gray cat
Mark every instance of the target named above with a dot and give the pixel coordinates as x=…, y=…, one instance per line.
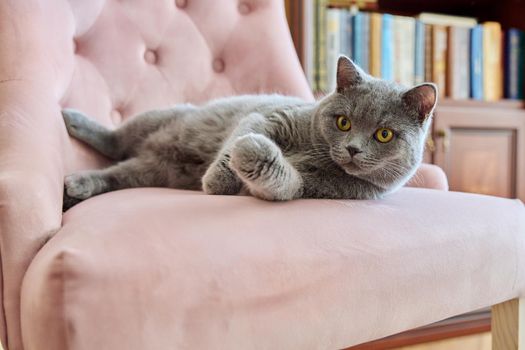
x=362, y=141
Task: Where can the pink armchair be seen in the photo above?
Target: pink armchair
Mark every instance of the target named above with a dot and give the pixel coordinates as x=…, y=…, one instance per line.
x=168, y=269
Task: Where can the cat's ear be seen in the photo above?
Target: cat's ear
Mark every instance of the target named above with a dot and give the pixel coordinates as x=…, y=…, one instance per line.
x=422, y=99
x=348, y=74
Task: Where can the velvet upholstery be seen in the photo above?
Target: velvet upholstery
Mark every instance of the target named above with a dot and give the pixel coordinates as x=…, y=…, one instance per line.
x=214, y=272
x=113, y=59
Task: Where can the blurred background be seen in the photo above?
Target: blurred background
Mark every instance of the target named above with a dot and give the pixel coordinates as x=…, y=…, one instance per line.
x=474, y=50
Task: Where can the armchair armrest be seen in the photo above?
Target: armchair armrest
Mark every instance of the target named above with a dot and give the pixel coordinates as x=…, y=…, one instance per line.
x=429, y=176
x=33, y=77
x=31, y=182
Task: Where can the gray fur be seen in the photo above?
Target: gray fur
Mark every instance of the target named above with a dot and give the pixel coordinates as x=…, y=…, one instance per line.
x=271, y=146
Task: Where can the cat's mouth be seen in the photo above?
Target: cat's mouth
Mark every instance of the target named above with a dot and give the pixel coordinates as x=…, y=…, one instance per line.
x=352, y=167
x=355, y=166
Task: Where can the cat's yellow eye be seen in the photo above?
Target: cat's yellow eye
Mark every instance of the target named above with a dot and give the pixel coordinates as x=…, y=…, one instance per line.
x=384, y=135
x=343, y=123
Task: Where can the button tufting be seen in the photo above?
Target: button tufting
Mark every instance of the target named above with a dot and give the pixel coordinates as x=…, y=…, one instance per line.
x=150, y=56
x=244, y=8
x=218, y=65
x=181, y=3
x=116, y=116
x=75, y=46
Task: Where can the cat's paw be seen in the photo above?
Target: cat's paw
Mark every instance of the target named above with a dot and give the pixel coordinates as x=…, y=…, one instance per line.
x=220, y=180
x=79, y=186
x=254, y=155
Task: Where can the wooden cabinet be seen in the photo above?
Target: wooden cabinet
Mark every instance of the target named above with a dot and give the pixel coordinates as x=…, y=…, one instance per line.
x=481, y=147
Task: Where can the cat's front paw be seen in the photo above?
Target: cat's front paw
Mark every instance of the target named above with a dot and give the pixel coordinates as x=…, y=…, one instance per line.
x=253, y=156
x=220, y=180
x=79, y=186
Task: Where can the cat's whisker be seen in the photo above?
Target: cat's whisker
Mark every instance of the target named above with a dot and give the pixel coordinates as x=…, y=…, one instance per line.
x=418, y=179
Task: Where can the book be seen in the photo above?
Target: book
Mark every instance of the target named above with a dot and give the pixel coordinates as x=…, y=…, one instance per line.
x=428, y=52
x=419, y=52
x=492, y=52
x=387, y=48
x=366, y=41
x=320, y=45
x=514, y=63
x=360, y=42
x=447, y=20
x=346, y=33
x=476, y=62
x=333, y=45
x=458, y=77
x=375, y=44
x=439, y=58
x=404, y=44
x=309, y=42
x=346, y=3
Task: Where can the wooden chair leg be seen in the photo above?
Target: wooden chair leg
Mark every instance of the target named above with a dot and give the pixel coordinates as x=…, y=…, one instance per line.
x=508, y=325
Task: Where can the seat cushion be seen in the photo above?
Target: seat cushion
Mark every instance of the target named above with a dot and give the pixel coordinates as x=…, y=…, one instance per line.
x=169, y=269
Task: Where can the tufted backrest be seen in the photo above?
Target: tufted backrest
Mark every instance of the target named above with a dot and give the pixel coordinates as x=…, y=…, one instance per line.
x=131, y=56
x=112, y=59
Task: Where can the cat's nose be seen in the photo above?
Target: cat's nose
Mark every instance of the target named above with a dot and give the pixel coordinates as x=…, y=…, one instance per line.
x=353, y=150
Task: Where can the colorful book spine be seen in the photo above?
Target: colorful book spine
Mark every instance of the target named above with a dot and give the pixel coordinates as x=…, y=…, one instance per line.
x=419, y=49
x=387, y=48
x=366, y=42
x=492, y=52
x=447, y=20
x=476, y=62
x=514, y=64
x=428, y=52
x=346, y=33
x=357, y=37
x=309, y=42
x=320, y=45
x=439, y=58
x=333, y=41
x=458, y=77
x=360, y=23
x=375, y=45
x=404, y=44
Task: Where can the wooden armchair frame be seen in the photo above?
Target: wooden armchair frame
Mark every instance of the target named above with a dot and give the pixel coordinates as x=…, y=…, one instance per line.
x=508, y=325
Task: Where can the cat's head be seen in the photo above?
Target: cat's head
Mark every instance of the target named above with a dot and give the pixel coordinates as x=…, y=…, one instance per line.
x=375, y=129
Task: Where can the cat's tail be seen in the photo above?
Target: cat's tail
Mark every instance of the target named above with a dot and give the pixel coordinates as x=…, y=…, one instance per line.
x=92, y=133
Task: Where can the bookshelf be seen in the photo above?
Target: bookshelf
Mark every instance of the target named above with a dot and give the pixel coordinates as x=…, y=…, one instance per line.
x=498, y=132
x=479, y=144
x=507, y=12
